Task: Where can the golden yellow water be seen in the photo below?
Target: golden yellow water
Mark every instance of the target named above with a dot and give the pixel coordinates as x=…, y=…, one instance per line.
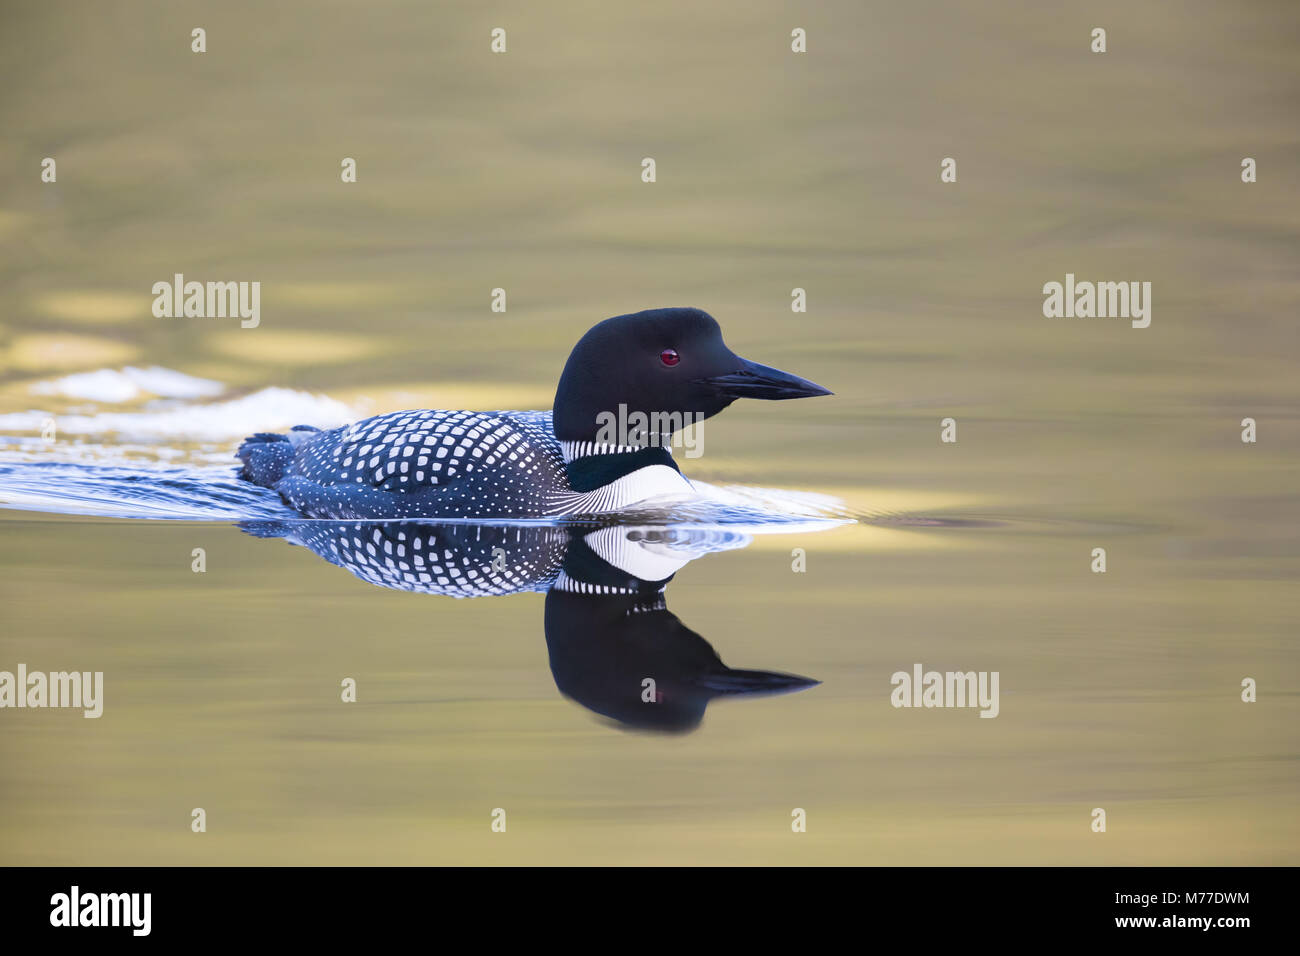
x=821, y=171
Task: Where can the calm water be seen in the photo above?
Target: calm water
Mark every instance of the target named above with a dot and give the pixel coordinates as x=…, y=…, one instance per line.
x=1118, y=690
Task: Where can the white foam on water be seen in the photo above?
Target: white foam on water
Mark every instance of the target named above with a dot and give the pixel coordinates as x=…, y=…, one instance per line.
x=113, y=386
x=264, y=410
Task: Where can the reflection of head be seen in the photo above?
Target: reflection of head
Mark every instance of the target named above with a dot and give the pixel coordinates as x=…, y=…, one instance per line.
x=617, y=650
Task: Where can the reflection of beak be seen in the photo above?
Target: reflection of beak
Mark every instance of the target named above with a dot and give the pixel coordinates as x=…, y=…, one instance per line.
x=760, y=381
x=754, y=682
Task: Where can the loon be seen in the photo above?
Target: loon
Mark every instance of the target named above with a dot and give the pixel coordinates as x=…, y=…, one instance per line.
x=667, y=364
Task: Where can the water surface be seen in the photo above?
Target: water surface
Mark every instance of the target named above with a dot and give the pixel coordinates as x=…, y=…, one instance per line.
x=1119, y=690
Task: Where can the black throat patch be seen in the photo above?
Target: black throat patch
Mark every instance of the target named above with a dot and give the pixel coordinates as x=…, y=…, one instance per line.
x=595, y=471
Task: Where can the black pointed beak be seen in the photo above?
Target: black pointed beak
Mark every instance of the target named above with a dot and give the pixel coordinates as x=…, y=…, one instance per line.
x=760, y=381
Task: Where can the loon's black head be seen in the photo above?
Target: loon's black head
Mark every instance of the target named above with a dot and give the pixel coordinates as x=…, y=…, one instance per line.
x=666, y=362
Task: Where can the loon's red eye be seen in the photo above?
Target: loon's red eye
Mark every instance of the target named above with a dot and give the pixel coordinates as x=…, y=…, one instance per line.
x=669, y=357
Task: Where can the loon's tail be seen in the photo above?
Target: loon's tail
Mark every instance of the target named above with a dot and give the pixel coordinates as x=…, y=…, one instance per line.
x=266, y=455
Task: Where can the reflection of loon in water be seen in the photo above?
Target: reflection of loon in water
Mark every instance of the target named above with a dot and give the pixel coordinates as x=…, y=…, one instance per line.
x=614, y=646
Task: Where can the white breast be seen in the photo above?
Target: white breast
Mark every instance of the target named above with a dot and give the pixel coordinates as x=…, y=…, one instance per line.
x=652, y=481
